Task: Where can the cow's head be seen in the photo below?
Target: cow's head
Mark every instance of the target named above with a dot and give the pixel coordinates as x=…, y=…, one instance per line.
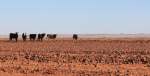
x=24, y=34
x=55, y=34
x=17, y=33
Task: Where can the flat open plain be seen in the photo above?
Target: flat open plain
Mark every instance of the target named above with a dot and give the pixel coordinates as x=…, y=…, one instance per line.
x=68, y=57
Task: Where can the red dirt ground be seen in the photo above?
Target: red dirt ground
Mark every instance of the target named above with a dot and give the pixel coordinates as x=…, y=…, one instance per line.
x=75, y=58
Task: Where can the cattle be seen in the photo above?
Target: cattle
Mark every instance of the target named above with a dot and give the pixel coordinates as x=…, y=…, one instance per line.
x=41, y=36
x=32, y=36
x=24, y=36
x=13, y=35
x=51, y=36
x=75, y=36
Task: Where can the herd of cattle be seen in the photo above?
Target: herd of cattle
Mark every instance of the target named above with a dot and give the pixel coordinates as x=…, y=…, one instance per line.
x=33, y=36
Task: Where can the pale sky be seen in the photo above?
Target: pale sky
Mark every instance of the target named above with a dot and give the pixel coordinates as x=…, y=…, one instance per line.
x=75, y=16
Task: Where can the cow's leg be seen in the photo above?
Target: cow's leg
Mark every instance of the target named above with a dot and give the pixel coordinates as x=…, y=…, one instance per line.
x=16, y=39
x=41, y=39
x=24, y=39
x=10, y=39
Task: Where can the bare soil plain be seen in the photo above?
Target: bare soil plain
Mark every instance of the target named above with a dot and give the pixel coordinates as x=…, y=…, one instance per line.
x=68, y=57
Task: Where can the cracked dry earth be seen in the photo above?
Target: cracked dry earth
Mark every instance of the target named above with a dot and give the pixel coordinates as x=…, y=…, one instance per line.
x=71, y=58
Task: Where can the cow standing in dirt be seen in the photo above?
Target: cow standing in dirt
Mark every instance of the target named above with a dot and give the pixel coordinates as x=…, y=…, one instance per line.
x=41, y=36
x=32, y=36
x=75, y=36
x=51, y=36
x=24, y=36
x=13, y=35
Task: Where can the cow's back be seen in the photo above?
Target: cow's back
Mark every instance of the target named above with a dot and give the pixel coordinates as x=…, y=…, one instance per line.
x=32, y=35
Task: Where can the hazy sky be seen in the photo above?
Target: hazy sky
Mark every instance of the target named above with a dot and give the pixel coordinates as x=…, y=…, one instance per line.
x=75, y=16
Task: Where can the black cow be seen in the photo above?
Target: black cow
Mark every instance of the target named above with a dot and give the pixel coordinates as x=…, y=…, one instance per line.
x=24, y=36
x=32, y=36
x=13, y=35
x=51, y=36
x=41, y=36
x=75, y=36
